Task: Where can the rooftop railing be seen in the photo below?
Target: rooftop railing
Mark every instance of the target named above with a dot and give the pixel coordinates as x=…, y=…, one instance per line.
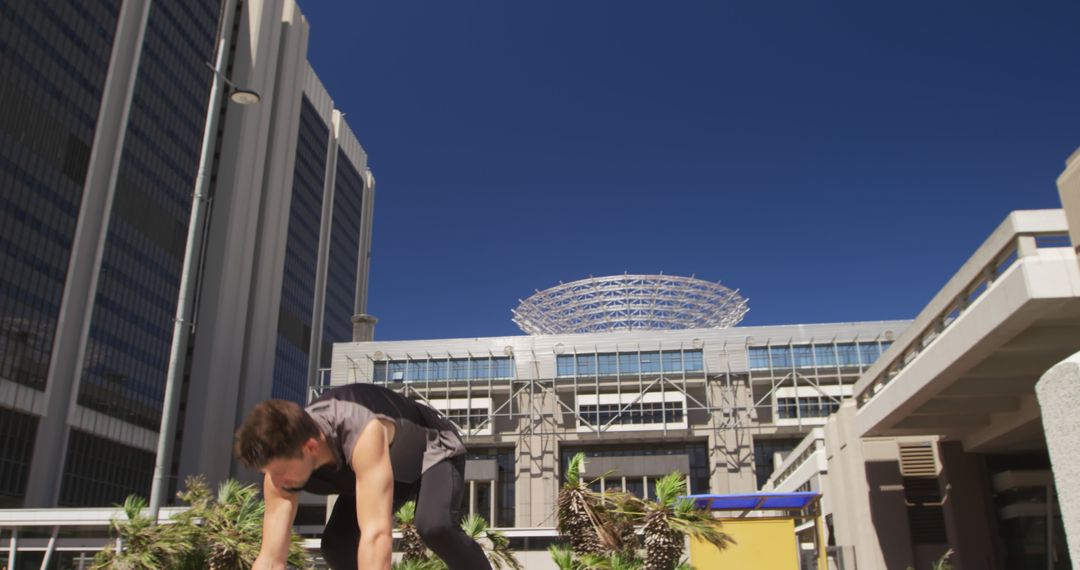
x=1021, y=235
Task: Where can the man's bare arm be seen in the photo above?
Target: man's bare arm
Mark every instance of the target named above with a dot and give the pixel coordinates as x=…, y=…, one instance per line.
x=374, y=495
x=277, y=527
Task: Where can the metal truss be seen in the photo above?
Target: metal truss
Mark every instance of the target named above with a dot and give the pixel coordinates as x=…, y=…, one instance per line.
x=630, y=302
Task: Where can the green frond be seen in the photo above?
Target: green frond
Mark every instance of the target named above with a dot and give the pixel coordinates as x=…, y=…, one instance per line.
x=406, y=514
x=669, y=487
x=574, y=469
x=563, y=557
x=475, y=526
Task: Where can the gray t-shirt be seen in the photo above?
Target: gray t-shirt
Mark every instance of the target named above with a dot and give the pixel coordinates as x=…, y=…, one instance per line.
x=422, y=436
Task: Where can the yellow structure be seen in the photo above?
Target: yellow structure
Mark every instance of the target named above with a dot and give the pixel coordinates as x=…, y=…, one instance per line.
x=760, y=544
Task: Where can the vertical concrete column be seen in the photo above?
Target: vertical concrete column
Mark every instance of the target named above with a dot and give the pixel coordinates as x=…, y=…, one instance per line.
x=969, y=510
x=1059, y=397
x=1069, y=190
x=867, y=495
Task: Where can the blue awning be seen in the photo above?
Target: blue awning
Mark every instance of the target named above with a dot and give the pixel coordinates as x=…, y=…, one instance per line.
x=756, y=501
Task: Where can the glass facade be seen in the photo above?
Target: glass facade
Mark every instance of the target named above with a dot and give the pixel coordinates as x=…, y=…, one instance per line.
x=838, y=355
x=341, y=270
x=472, y=418
x=764, y=448
x=99, y=472
x=639, y=413
x=291, y=356
x=806, y=407
x=504, y=486
x=123, y=374
x=446, y=369
x=614, y=364
x=699, y=461
x=54, y=56
x=17, y=431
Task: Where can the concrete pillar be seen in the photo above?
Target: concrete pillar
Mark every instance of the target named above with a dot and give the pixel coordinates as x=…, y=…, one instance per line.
x=363, y=328
x=969, y=509
x=1059, y=399
x=1069, y=190
x=867, y=495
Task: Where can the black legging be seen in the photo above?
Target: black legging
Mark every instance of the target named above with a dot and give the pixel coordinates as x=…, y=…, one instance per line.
x=437, y=520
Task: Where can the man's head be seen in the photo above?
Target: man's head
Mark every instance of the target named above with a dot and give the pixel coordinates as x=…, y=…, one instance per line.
x=280, y=439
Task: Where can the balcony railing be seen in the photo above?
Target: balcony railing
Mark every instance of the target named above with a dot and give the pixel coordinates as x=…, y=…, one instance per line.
x=1021, y=235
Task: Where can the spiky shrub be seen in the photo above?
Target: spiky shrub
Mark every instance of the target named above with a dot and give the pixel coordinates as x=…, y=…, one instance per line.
x=214, y=533
x=669, y=519
x=577, y=517
x=620, y=512
x=143, y=545
x=496, y=545
x=412, y=546
x=563, y=557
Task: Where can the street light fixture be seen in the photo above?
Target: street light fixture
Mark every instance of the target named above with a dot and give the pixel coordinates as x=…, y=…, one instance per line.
x=182, y=322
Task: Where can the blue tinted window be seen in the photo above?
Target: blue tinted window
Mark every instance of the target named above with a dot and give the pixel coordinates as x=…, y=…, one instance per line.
x=759, y=357
x=650, y=362
x=869, y=352
x=504, y=368
x=847, y=354
x=607, y=364
x=693, y=361
x=565, y=364
x=586, y=364
x=379, y=374
x=825, y=355
x=804, y=356
x=628, y=363
x=672, y=361
x=459, y=369
x=781, y=356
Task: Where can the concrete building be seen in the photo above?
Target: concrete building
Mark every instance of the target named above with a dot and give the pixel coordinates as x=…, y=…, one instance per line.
x=714, y=403
x=102, y=113
x=945, y=445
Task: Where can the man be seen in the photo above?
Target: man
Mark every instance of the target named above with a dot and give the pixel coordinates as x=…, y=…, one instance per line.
x=375, y=448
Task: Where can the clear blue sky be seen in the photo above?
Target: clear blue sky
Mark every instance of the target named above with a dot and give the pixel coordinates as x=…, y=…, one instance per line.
x=834, y=160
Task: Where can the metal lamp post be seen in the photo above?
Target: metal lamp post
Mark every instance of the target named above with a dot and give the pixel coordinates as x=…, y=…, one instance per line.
x=188, y=277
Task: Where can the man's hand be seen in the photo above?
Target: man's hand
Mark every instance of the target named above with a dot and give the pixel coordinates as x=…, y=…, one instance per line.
x=263, y=563
x=374, y=494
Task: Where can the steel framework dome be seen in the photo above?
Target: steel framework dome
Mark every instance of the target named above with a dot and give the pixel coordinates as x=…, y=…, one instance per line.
x=630, y=302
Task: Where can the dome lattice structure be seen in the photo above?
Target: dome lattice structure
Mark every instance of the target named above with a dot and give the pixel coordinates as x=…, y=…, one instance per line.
x=630, y=302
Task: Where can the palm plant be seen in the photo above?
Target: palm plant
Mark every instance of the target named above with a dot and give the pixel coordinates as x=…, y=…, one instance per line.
x=495, y=543
x=215, y=533
x=140, y=543
x=563, y=557
x=669, y=518
x=229, y=527
x=412, y=546
x=577, y=518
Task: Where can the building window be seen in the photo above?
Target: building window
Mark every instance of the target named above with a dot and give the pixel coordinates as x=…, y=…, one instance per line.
x=816, y=356
x=626, y=363
x=640, y=413
x=480, y=498
x=696, y=452
x=806, y=407
x=431, y=370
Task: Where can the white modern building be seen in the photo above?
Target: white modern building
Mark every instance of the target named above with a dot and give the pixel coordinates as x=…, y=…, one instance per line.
x=947, y=444
x=639, y=395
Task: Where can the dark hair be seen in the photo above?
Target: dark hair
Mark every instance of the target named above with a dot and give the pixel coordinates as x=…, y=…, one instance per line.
x=274, y=429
